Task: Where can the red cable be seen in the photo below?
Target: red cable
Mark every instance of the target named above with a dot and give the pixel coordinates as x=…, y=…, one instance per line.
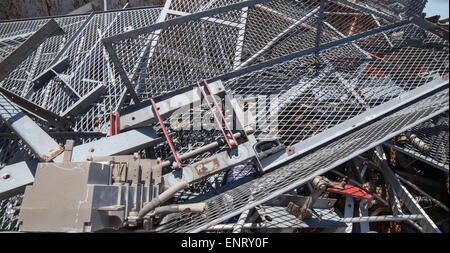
x=215, y=117
x=221, y=114
x=165, y=133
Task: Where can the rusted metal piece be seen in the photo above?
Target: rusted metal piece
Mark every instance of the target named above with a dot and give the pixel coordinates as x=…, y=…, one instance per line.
x=204, y=168
x=52, y=154
x=114, y=123
x=290, y=150
x=401, y=139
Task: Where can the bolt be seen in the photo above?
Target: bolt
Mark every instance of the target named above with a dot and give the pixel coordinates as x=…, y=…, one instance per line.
x=6, y=176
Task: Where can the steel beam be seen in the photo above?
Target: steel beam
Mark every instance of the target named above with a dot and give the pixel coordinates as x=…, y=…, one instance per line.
x=42, y=145
x=36, y=110
x=142, y=115
x=85, y=102
x=120, y=144
x=212, y=165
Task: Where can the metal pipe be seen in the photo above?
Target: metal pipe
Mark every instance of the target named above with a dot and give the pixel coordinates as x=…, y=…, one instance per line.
x=437, y=202
x=186, y=208
x=163, y=197
x=205, y=148
x=239, y=224
x=383, y=218
x=231, y=226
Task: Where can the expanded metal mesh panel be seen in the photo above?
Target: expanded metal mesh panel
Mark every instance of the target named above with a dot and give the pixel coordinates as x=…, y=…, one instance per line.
x=9, y=213
x=158, y=61
x=296, y=173
x=183, y=54
x=317, y=92
x=89, y=63
x=90, y=67
x=434, y=133
x=13, y=34
x=20, y=79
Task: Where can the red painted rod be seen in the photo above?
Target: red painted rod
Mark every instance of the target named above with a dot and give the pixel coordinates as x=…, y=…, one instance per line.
x=165, y=133
x=221, y=114
x=215, y=117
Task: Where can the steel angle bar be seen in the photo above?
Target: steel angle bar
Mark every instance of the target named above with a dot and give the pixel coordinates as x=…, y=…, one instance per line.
x=437, y=202
x=323, y=3
x=342, y=35
x=58, y=64
x=45, y=76
x=142, y=115
x=212, y=165
x=359, y=120
x=429, y=26
x=84, y=102
x=69, y=43
x=42, y=145
x=150, y=46
x=378, y=24
x=15, y=177
x=292, y=175
x=408, y=200
x=30, y=107
x=120, y=144
x=12, y=61
x=122, y=72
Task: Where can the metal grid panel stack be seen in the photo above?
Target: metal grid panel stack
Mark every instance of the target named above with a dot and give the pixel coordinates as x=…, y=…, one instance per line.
x=320, y=65
x=290, y=176
x=319, y=91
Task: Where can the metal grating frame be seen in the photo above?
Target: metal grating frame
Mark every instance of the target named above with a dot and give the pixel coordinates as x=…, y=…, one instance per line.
x=328, y=156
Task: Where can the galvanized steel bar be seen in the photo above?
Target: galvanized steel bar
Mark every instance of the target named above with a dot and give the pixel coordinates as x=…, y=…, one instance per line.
x=43, y=146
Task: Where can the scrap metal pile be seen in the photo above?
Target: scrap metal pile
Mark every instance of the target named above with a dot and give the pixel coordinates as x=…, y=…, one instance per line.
x=226, y=115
